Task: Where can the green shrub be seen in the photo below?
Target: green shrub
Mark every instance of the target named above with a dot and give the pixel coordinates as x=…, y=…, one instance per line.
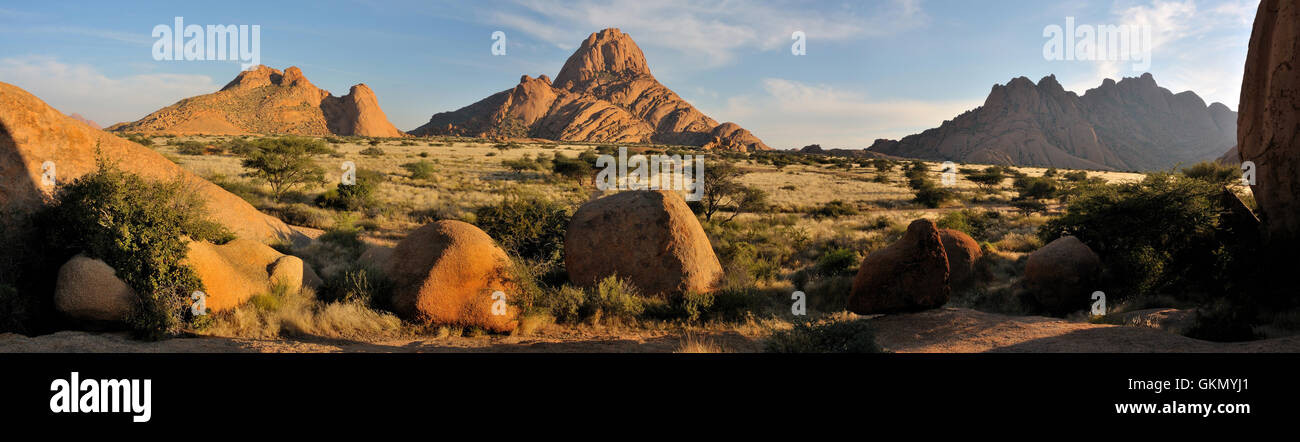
x=137, y=227
x=567, y=304
x=825, y=336
x=421, y=170
x=1163, y=235
x=1036, y=187
x=1213, y=172
x=357, y=196
x=838, y=261
x=834, y=210
x=190, y=148
x=979, y=224
x=614, y=298
x=530, y=227
x=1076, y=176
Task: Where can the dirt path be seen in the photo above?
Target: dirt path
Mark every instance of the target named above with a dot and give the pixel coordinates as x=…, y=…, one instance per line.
x=953, y=330
x=947, y=330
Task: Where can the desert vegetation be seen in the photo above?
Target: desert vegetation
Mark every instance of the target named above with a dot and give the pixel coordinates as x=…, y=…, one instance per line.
x=779, y=223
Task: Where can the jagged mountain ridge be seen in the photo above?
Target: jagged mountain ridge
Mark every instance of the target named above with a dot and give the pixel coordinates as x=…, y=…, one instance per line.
x=604, y=93
x=1132, y=124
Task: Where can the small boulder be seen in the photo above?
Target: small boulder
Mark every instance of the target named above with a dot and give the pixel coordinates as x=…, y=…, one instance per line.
x=234, y=272
x=446, y=272
x=1061, y=276
x=962, y=252
x=908, y=275
x=89, y=290
x=651, y=238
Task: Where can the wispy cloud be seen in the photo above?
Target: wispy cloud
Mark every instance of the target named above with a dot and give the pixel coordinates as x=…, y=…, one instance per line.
x=1193, y=48
x=710, y=31
x=85, y=90
x=791, y=114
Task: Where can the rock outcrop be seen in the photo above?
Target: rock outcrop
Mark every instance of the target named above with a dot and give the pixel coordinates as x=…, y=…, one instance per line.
x=604, y=93
x=1060, y=276
x=446, y=272
x=234, y=272
x=32, y=133
x=88, y=290
x=908, y=275
x=1132, y=124
x=266, y=101
x=650, y=238
x=1270, y=114
x=962, y=252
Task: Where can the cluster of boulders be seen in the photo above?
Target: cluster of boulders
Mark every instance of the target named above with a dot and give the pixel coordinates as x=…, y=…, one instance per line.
x=920, y=271
x=89, y=291
x=451, y=272
x=917, y=272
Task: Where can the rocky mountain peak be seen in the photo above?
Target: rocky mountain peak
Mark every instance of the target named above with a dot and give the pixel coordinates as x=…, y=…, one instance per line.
x=605, y=55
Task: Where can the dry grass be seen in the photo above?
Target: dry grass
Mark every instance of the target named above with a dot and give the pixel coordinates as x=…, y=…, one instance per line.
x=692, y=343
x=283, y=313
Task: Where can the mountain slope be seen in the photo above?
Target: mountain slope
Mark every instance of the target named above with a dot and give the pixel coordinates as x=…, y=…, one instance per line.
x=265, y=100
x=1133, y=124
x=604, y=93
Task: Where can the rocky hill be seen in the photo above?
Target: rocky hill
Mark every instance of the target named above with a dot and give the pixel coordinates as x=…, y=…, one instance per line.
x=32, y=133
x=267, y=101
x=604, y=93
x=1132, y=124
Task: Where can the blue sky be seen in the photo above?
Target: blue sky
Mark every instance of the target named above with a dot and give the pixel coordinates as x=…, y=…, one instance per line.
x=873, y=69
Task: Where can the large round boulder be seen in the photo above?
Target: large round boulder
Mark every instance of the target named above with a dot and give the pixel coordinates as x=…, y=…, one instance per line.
x=235, y=271
x=908, y=275
x=650, y=238
x=88, y=290
x=447, y=272
x=1269, y=116
x=962, y=252
x=1061, y=276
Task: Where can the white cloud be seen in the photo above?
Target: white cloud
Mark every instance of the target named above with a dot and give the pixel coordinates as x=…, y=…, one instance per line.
x=1193, y=48
x=791, y=114
x=85, y=90
x=707, y=30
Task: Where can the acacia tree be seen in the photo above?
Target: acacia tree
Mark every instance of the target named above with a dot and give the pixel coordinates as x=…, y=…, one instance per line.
x=285, y=163
x=723, y=191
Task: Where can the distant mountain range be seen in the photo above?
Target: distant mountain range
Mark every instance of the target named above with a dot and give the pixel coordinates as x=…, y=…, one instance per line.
x=604, y=93
x=1132, y=124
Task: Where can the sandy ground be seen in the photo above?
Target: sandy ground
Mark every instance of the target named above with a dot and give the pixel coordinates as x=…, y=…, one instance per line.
x=947, y=330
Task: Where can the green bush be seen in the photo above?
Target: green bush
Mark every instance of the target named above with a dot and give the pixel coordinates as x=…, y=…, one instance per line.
x=982, y=225
x=1213, y=172
x=530, y=227
x=614, y=298
x=372, y=151
x=1163, y=235
x=357, y=196
x=138, y=228
x=421, y=170
x=1036, y=187
x=838, y=262
x=826, y=336
x=834, y=210
x=190, y=148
